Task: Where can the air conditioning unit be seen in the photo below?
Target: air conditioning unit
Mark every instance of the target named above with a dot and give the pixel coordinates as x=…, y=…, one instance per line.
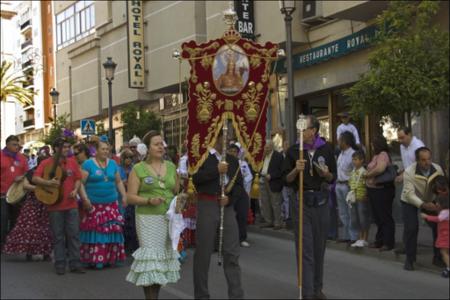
x=312, y=13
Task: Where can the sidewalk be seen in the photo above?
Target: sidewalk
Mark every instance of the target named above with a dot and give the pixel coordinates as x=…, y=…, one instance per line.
x=424, y=248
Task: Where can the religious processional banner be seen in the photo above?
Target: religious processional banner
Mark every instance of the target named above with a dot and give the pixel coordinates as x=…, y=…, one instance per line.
x=229, y=81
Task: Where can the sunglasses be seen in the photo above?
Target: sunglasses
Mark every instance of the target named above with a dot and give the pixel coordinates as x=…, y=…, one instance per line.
x=130, y=157
x=133, y=147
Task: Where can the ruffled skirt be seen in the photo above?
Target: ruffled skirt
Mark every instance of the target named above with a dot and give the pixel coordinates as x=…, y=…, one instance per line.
x=31, y=234
x=101, y=236
x=155, y=262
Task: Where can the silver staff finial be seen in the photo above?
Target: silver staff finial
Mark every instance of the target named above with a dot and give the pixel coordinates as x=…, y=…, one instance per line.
x=229, y=15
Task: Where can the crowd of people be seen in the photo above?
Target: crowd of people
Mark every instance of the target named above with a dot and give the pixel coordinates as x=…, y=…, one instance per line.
x=113, y=206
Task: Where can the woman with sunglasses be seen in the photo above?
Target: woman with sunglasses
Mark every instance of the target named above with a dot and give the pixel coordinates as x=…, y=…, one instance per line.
x=129, y=230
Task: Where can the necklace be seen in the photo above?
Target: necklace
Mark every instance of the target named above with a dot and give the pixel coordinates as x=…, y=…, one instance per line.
x=161, y=181
x=105, y=176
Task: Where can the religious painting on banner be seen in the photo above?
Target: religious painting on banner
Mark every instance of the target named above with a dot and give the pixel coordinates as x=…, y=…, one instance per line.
x=229, y=82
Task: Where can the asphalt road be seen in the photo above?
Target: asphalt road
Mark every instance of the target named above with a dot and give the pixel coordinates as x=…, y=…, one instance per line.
x=268, y=272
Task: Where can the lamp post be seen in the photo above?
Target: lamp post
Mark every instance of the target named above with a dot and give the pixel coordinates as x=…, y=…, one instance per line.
x=110, y=67
x=55, y=95
x=287, y=8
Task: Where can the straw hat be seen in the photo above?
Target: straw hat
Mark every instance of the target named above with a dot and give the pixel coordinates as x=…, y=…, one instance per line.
x=16, y=192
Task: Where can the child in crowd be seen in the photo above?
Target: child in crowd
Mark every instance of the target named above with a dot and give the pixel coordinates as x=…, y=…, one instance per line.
x=443, y=222
x=360, y=209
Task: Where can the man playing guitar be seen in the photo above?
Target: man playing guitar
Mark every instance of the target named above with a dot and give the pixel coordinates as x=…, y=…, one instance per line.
x=64, y=218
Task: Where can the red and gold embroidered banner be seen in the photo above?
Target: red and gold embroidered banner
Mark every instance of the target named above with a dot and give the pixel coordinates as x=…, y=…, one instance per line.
x=229, y=80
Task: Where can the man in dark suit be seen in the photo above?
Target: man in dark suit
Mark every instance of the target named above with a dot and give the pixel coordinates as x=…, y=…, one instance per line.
x=271, y=184
x=207, y=182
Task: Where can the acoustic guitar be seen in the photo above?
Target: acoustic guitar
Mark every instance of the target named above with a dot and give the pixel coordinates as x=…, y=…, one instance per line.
x=50, y=195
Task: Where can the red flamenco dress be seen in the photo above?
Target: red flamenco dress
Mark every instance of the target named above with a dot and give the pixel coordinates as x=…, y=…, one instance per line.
x=31, y=234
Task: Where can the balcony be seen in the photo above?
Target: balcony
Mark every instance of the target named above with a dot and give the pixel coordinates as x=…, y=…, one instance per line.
x=25, y=27
x=26, y=44
x=28, y=124
x=28, y=64
x=28, y=107
x=353, y=10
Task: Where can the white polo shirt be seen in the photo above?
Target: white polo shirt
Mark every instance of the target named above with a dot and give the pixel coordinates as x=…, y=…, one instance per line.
x=408, y=153
x=348, y=127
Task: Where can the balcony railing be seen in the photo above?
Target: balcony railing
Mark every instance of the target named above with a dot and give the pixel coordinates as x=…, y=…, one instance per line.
x=27, y=64
x=25, y=24
x=28, y=123
x=26, y=44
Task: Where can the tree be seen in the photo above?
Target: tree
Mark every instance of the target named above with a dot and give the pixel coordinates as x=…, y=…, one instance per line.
x=137, y=121
x=409, y=66
x=12, y=85
x=59, y=129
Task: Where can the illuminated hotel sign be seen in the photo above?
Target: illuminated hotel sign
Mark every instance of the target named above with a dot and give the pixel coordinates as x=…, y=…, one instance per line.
x=136, y=65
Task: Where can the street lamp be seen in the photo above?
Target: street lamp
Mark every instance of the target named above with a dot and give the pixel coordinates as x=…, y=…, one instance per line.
x=110, y=67
x=287, y=8
x=55, y=95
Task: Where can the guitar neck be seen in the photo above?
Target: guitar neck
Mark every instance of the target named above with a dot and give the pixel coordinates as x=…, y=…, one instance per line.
x=56, y=160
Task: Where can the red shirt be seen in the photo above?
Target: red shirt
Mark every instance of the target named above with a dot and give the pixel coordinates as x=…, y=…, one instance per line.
x=10, y=169
x=73, y=174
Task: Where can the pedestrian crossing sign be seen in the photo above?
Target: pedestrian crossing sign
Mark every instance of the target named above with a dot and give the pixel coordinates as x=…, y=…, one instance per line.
x=87, y=127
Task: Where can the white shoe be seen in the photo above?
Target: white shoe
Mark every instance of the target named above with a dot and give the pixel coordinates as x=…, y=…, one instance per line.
x=365, y=243
x=355, y=244
x=245, y=244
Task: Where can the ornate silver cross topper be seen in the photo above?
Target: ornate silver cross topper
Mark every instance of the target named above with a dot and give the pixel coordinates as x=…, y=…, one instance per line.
x=301, y=122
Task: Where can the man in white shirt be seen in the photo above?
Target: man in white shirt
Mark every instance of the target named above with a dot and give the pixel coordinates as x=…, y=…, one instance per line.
x=408, y=146
x=347, y=126
x=242, y=204
x=344, y=168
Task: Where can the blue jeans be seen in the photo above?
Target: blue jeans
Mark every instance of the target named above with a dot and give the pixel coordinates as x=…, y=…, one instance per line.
x=345, y=214
x=66, y=227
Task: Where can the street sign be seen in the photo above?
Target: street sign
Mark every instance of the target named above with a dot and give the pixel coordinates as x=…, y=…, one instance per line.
x=87, y=127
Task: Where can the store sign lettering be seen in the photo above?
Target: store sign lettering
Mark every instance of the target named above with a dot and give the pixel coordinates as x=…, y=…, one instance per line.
x=356, y=41
x=136, y=65
x=245, y=24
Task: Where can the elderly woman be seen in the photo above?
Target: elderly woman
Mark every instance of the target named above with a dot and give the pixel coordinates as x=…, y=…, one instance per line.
x=101, y=229
x=151, y=186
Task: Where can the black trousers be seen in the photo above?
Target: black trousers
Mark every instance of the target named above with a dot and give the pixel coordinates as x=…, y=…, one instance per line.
x=241, y=206
x=381, y=200
x=411, y=231
x=9, y=214
x=315, y=231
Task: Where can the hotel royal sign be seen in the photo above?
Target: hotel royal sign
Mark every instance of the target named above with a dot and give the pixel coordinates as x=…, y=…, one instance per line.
x=135, y=32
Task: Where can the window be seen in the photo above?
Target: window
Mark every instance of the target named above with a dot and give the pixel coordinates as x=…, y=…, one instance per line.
x=75, y=23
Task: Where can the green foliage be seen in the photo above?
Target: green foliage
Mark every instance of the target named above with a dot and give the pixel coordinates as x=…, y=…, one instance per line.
x=12, y=85
x=100, y=128
x=137, y=121
x=409, y=66
x=58, y=129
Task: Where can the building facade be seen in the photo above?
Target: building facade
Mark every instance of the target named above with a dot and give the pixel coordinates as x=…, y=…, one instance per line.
x=329, y=48
x=32, y=54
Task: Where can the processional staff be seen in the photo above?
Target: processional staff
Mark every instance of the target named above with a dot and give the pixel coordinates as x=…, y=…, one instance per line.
x=301, y=126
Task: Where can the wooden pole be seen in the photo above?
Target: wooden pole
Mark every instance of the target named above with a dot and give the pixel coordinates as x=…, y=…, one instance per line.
x=300, y=220
x=301, y=126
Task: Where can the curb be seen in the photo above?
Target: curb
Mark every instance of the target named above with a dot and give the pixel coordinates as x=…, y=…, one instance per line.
x=424, y=263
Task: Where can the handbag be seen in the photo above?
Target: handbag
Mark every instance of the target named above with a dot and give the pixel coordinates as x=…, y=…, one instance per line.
x=388, y=176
